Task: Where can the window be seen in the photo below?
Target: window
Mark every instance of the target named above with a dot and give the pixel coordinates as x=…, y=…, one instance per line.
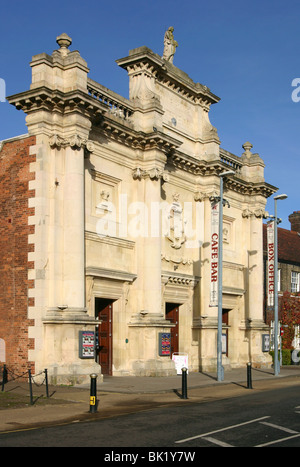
x=295, y=281
x=279, y=279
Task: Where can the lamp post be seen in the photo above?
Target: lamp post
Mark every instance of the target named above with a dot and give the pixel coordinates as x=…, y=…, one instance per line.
x=220, y=369
x=276, y=362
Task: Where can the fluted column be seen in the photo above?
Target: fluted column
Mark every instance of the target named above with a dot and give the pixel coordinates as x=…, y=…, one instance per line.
x=255, y=267
x=73, y=252
x=149, y=245
x=148, y=319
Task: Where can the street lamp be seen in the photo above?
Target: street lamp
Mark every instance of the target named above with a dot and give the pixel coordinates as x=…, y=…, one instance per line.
x=220, y=369
x=276, y=362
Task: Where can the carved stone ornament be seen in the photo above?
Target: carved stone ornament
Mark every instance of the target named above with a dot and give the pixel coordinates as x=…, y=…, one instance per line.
x=170, y=45
x=75, y=142
x=64, y=42
x=105, y=204
x=175, y=260
x=176, y=222
x=261, y=213
x=247, y=147
x=258, y=213
x=153, y=174
x=142, y=82
x=55, y=141
x=200, y=196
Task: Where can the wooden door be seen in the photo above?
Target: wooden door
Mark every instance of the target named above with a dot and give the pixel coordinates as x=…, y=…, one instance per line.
x=172, y=314
x=225, y=320
x=104, y=311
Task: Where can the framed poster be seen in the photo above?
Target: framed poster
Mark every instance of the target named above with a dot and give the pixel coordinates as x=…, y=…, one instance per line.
x=266, y=342
x=164, y=342
x=86, y=344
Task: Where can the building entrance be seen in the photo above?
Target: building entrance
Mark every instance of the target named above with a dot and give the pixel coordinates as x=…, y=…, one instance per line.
x=172, y=314
x=104, y=312
x=225, y=320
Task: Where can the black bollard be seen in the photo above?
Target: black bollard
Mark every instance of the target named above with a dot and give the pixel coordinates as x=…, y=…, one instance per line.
x=46, y=382
x=184, y=383
x=4, y=377
x=93, y=393
x=249, y=376
x=30, y=387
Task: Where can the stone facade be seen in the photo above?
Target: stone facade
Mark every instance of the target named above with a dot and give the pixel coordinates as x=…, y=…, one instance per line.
x=122, y=221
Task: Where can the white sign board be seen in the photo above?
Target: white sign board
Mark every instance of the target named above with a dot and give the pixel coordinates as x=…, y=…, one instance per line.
x=2, y=351
x=181, y=360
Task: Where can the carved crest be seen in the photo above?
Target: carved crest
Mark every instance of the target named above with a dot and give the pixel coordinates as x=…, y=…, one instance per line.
x=176, y=233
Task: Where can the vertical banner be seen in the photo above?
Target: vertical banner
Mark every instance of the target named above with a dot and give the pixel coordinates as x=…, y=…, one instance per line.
x=214, y=254
x=270, y=263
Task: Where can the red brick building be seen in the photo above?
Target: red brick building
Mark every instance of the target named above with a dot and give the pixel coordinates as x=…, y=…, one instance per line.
x=15, y=228
x=288, y=259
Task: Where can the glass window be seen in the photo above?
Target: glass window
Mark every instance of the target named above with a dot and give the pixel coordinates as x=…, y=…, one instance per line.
x=295, y=281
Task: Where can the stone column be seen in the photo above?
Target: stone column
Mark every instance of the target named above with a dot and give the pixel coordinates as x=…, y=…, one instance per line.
x=255, y=267
x=67, y=226
x=73, y=235
x=62, y=129
x=152, y=247
x=149, y=320
x=207, y=321
x=254, y=323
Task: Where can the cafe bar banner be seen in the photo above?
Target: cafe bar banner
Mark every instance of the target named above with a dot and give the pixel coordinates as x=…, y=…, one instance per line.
x=214, y=254
x=270, y=263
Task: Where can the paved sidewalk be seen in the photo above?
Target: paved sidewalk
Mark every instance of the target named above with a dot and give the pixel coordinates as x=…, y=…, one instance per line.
x=133, y=384
x=124, y=395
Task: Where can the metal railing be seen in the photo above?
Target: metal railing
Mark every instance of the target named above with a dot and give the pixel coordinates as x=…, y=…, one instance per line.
x=9, y=375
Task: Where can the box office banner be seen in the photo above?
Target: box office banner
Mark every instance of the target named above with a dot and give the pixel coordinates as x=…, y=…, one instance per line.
x=214, y=254
x=270, y=263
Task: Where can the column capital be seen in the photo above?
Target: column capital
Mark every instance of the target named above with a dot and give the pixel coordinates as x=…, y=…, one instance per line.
x=75, y=141
x=153, y=174
x=256, y=213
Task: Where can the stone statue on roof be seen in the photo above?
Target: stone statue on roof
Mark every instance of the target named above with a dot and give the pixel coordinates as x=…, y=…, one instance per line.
x=169, y=45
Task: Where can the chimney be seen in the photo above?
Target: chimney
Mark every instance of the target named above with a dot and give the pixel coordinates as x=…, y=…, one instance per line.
x=295, y=221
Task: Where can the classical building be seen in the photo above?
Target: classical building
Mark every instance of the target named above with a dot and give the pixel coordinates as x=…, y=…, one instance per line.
x=106, y=225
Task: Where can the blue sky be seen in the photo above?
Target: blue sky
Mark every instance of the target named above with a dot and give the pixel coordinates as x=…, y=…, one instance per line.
x=246, y=52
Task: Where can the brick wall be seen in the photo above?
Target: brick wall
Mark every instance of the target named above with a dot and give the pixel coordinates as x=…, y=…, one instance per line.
x=14, y=247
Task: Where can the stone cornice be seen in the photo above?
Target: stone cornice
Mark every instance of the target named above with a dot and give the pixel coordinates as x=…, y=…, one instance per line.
x=46, y=99
x=250, y=188
x=120, y=132
x=179, y=279
x=208, y=168
x=143, y=59
x=110, y=274
x=111, y=124
x=113, y=241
